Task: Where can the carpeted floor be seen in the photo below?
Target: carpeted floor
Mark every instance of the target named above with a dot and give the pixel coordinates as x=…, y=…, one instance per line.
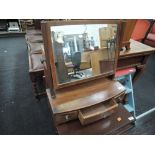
x=21, y=113
x=144, y=88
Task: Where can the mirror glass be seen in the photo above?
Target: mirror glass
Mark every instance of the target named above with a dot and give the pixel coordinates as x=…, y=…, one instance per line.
x=83, y=51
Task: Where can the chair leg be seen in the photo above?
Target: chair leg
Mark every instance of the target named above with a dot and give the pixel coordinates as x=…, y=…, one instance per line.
x=34, y=85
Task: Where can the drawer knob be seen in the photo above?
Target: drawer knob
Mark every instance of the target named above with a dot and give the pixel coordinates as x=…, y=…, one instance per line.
x=67, y=117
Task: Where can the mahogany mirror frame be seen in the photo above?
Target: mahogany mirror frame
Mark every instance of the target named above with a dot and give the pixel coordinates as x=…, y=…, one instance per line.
x=46, y=32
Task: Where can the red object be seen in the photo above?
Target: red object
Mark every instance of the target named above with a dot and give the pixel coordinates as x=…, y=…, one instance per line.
x=153, y=29
x=151, y=36
x=150, y=40
x=141, y=27
x=124, y=72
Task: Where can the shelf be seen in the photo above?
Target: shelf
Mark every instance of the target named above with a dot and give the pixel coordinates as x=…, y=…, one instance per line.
x=119, y=78
x=126, y=81
x=109, y=125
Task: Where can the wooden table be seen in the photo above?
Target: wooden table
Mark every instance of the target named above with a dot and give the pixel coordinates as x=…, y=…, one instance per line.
x=135, y=57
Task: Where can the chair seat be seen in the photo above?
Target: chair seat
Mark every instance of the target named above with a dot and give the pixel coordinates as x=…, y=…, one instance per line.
x=149, y=42
x=151, y=37
x=35, y=47
x=36, y=61
x=34, y=38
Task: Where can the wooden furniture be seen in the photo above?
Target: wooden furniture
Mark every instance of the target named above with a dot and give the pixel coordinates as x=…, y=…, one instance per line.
x=89, y=58
x=99, y=59
x=52, y=55
x=117, y=123
x=36, y=73
x=85, y=60
x=127, y=28
x=69, y=101
x=105, y=34
x=36, y=70
x=94, y=113
x=27, y=24
x=136, y=57
x=86, y=105
x=34, y=47
x=34, y=38
x=34, y=42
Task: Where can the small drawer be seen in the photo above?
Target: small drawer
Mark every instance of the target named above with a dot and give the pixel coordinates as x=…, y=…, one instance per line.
x=97, y=112
x=65, y=117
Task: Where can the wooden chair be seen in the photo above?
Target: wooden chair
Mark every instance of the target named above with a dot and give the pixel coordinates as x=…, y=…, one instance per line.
x=36, y=73
x=150, y=38
x=36, y=70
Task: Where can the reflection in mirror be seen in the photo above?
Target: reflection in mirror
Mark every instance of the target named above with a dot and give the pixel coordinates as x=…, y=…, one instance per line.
x=83, y=51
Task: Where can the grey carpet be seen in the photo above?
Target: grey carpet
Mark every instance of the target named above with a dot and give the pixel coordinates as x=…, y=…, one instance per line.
x=20, y=112
x=144, y=88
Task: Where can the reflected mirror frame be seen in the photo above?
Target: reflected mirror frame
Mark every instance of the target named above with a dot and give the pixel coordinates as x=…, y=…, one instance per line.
x=48, y=46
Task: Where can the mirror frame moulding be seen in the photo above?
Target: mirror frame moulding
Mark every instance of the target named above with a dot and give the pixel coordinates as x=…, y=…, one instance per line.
x=46, y=32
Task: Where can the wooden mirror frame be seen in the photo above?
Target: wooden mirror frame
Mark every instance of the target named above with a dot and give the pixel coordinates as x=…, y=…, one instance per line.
x=127, y=30
x=51, y=79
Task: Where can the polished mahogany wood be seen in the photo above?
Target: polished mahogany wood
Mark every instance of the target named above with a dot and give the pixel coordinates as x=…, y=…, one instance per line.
x=46, y=30
x=85, y=95
x=116, y=123
x=137, y=48
x=136, y=57
x=97, y=112
x=35, y=74
x=68, y=101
